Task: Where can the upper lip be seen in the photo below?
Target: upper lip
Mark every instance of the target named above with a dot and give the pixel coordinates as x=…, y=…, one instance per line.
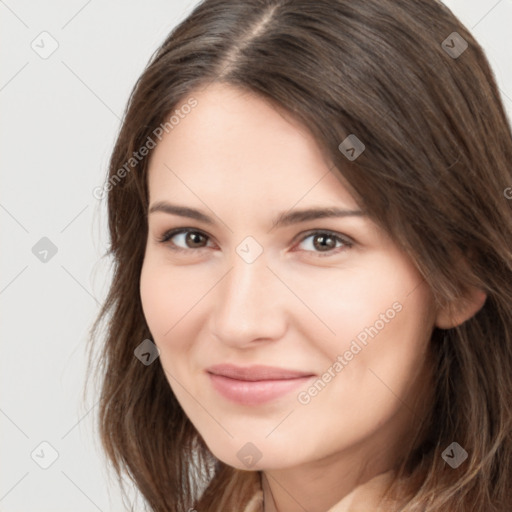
x=256, y=372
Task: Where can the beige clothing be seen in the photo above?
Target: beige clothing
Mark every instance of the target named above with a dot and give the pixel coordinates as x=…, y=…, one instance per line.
x=364, y=498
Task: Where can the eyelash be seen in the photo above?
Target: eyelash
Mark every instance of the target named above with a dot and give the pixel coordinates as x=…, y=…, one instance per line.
x=347, y=243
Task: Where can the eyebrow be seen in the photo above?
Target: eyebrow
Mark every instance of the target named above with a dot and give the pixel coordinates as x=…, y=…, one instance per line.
x=284, y=219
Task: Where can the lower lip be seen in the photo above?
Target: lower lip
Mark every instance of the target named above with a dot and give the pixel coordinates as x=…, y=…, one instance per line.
x=255, y=392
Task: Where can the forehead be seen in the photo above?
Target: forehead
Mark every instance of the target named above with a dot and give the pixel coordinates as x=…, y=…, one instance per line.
x=234, y=144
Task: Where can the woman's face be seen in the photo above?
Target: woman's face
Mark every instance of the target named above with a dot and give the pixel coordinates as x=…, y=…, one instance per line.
x=329, y=297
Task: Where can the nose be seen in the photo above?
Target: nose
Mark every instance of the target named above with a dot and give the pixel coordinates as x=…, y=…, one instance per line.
x=250, y=304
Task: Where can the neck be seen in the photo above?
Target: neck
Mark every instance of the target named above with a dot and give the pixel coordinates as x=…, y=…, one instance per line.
x=317, y=492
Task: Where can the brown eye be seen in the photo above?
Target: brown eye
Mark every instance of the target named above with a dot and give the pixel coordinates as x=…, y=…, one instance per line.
x=194, y=239
x=185, y=239
x=325, y=242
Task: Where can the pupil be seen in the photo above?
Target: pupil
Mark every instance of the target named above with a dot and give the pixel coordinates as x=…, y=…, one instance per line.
x=322, y=245
x=194, y=239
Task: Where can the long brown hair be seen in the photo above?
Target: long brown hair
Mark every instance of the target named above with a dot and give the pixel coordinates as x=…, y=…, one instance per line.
x=437, y=159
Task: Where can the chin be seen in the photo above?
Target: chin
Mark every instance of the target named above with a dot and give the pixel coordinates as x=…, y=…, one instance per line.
x=249, y=456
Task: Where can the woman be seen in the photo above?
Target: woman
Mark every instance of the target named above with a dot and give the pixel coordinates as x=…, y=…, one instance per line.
x=310, y=307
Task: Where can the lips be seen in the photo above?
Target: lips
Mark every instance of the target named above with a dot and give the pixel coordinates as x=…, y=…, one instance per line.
x=256, y=372
x=255, y=385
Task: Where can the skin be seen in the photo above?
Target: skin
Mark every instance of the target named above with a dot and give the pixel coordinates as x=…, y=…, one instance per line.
x=242, y=162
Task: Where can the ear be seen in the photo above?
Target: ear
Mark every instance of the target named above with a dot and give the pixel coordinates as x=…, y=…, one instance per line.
x=463, y=309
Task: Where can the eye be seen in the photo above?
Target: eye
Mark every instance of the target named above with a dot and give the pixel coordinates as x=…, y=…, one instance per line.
x=325, y=243
x=184, y=239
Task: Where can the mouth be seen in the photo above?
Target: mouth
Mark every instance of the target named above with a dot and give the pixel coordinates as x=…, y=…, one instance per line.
x=255, y=385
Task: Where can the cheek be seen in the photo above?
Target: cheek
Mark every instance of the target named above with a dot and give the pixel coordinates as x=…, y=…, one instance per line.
x=401, y=356
x=168, y=299
x=385, y=355
x=382, y=318
x=351, y=303
x=158, y=299
x=376, y=385
x=168, y=295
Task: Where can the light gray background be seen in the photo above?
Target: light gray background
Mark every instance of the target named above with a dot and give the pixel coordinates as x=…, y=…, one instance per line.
x=59, y=120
